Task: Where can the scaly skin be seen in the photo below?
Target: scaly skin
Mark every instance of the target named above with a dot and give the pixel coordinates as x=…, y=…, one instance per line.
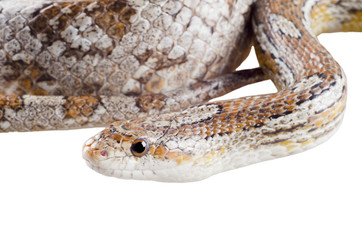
x=207, y=139
x=86, y=63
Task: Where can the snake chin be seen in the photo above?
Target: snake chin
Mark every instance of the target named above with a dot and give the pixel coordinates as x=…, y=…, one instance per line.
x=176, y=174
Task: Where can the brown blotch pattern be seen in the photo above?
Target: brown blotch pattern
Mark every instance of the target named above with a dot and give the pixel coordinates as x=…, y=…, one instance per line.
x=80, y=106
x=53, y=57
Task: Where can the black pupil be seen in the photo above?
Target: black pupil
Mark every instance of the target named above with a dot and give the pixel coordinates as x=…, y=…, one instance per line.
x=139, y=147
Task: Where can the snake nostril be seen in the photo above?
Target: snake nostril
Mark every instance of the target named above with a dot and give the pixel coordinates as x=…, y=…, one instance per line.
x=103, y=153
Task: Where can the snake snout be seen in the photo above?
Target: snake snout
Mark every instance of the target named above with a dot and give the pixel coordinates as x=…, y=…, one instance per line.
x=93, y=153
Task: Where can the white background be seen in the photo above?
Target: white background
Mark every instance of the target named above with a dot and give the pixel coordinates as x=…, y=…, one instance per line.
x=47, y=191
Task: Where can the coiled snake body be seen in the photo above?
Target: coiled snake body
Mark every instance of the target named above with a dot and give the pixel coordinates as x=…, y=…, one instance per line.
x=145, y=63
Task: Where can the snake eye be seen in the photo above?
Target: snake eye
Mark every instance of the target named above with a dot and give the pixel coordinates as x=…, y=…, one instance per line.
x=139, y=147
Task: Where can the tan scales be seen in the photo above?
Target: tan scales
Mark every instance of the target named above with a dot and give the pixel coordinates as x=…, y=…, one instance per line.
x=73, y=64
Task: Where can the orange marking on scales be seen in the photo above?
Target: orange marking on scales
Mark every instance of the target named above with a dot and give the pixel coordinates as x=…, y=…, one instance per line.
x=177, y=156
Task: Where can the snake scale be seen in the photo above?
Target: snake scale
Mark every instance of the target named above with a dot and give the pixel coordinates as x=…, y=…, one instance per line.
x=149, y=68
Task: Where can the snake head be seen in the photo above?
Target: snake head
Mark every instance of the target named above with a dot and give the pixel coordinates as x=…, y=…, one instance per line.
x=127, y=150
x=173, y=147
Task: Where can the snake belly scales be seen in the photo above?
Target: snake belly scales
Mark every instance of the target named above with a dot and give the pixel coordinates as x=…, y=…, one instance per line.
x=149, y=68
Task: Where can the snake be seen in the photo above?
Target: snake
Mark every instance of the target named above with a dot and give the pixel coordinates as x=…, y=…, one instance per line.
x=148, y=68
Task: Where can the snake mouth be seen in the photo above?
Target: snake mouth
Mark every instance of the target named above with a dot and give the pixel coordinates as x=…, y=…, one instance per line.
x=125, y=174
x=164, y=175
x=172, y=175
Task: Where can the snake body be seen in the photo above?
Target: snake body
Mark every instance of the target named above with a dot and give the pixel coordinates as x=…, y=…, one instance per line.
x=146, y=63
x=207, y=139
x=84, y=63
